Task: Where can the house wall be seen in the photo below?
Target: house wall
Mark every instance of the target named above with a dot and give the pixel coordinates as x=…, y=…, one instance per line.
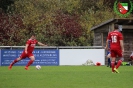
x=97, y=39
x=128, y=42
x=100, y=36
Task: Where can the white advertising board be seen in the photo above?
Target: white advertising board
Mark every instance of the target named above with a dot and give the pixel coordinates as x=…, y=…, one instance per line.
x=80, y=56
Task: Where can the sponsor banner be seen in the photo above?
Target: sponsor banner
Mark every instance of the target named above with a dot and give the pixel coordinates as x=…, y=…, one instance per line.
x=42, y=57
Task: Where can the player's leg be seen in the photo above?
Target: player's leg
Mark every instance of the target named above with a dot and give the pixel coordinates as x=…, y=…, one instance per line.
x=15, y=61
x=32, y=58
x=119, y=52
x=113, y=57
x=110, y=62
x=109, y=59
x=113, y=64
x=23, y=55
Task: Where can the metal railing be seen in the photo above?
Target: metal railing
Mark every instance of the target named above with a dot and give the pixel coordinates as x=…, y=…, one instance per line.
x=54, y=47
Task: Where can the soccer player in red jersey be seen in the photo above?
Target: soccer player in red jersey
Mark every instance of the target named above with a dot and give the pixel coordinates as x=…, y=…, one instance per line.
x=131, y=56
x=30, y=44
x=116, y=47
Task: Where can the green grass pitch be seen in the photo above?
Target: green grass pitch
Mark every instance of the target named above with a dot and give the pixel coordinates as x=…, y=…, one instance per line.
x=66, y=77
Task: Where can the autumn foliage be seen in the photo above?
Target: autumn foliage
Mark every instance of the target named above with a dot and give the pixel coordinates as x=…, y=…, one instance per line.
x=56, y=22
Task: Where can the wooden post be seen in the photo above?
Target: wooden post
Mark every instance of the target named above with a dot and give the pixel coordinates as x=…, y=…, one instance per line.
x=102, y=39
x=112, y=28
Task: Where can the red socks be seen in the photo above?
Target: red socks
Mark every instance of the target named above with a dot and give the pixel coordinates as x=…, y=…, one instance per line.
x=113, y=65
x=29, y=63
x=118, y=64
x=14, y=62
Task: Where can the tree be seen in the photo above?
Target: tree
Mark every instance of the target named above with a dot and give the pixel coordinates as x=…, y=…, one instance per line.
x=4, y=4
x=10, y=26
x=56, y=22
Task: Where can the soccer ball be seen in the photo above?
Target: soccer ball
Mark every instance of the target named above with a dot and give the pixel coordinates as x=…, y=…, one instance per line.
x=38, y=67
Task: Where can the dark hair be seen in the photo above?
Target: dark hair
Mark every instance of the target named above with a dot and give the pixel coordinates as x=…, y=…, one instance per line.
x=33, y=34
x=116, y=26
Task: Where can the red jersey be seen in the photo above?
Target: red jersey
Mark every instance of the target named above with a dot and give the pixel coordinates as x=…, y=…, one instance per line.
x=32, y=44
x=115, y=37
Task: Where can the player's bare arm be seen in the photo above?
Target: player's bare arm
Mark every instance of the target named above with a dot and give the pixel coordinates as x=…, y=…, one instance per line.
x=41, y=44
x=26, y=48
x=106, y=47
x=122, y=45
